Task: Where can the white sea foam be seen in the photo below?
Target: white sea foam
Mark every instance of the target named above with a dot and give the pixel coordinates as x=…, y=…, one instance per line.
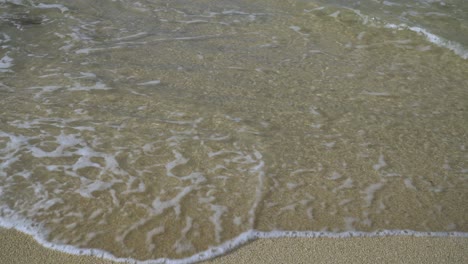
x=376, y=93
x=85, y=75
x=370, y=191
x=454, y=46
x=155, y=82
x=218, y=211
x=409, y=184
x=335, y=14
x=258, y=169
x=44, y=89
x=183, y=244
x=85, y=154
x=149, y=236
x=298, y=30
x=196, y=21
x=16, y=2
x=137, y=35
x=89, y=50
x=242, y=239
x=62, y=8
x=98, y=86
x=4, y=38
x=335, y=176
x=160, y=206
x=381, y=163
x=348, y=183
x=5, y=63
x=87, y=189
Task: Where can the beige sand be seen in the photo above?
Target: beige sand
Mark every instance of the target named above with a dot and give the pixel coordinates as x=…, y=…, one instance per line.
x=18, y=248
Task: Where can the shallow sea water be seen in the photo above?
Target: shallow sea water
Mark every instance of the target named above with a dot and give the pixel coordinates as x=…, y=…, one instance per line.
x=161, y=129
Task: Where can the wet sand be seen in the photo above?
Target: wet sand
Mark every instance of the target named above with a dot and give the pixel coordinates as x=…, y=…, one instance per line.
x=19, y=248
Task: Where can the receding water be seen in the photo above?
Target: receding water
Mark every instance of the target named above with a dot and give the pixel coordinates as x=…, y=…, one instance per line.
x=160, y=129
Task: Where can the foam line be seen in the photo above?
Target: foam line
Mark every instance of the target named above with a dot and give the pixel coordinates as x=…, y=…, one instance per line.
x=62, y=8
x=456, y=47
x=242, y=239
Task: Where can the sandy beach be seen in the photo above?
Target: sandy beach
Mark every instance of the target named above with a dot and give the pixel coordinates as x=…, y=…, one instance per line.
x=19, y=248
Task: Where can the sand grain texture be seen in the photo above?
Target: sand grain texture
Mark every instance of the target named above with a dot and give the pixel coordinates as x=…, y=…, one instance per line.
x=19, y=248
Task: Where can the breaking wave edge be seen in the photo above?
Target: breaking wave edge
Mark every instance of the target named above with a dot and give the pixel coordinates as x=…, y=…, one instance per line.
x=34, y=230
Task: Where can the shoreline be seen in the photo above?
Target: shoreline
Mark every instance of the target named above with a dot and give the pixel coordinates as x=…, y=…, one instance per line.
x=18, y=248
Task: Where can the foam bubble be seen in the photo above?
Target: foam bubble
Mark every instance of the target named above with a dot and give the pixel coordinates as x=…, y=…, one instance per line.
x=5, y=63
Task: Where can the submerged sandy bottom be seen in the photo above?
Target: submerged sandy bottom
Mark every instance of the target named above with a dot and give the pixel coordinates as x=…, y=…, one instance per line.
x=162, y=130
x=16, y=248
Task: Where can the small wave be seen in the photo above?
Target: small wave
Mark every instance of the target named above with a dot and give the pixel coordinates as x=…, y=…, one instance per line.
x=456, y=47
x=346, y=14
x=31, y=229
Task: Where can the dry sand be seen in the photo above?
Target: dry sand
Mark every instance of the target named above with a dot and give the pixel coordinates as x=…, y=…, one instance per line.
x=19, y=248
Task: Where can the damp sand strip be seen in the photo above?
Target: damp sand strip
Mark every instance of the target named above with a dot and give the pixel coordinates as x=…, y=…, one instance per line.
x=19, y=248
